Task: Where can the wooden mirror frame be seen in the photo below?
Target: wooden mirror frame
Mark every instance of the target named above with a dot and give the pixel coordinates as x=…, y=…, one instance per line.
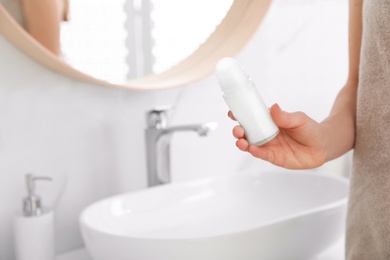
x=230, y=36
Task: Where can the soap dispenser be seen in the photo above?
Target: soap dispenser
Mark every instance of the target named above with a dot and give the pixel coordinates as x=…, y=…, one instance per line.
x=34, y=229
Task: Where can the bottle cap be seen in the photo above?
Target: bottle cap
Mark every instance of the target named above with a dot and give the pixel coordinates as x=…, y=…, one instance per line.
x=230, y=75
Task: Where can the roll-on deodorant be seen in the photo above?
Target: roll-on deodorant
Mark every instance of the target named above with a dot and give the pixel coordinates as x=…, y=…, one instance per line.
x=245, y=102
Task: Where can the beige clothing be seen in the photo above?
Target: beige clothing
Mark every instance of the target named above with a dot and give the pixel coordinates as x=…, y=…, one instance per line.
x=14, y=8
x=368, y=225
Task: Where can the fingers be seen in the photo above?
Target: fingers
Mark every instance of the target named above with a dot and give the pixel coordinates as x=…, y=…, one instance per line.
x=262, y=153
x=242, y=144
x=238, y=132
x=287, y=120
x=283, y=119
x=230, y=114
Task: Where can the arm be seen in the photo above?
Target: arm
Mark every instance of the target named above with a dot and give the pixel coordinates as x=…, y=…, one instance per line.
x=303, y=143
x=341, y=121
x=43, y=22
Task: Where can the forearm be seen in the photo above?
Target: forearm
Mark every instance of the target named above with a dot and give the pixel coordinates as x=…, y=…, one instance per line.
x=43, y=22
x=339, y=127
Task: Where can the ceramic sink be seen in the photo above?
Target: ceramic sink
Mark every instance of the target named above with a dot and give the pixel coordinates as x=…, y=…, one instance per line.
x=246, y=216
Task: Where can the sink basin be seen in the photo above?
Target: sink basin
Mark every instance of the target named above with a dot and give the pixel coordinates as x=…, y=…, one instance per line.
x=248, y=216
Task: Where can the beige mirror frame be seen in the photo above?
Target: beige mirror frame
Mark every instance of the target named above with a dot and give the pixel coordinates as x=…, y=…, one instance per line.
x=231, y=35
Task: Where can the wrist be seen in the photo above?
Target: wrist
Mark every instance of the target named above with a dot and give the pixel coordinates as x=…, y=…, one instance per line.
x=338, y=136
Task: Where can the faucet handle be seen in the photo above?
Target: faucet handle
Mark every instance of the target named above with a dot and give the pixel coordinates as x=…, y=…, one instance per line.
x=158, y=117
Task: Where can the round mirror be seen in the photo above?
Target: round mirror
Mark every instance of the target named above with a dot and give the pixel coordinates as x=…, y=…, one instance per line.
x=153, y=45
x=119, y=40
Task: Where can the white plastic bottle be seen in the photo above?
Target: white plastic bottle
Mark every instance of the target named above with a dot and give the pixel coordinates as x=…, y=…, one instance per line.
x=245, y=102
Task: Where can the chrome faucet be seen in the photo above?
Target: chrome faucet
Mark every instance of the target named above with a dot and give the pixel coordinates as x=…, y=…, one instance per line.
x=158, y=138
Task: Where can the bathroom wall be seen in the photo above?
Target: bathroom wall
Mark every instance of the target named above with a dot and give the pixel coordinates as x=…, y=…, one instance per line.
x=89, y=139
x=298, y=58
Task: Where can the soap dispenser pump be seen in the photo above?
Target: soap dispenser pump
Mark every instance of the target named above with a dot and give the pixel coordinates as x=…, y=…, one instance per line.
x=32, y=203
x=34, y=229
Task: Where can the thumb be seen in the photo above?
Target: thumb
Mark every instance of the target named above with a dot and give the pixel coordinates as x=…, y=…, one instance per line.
x=287, y=120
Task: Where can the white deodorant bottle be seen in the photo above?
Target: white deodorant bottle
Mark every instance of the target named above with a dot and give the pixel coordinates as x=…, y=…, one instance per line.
x=245, y=102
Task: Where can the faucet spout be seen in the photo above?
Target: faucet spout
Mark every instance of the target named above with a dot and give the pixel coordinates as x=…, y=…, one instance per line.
x=158, y=139
x=201, y=129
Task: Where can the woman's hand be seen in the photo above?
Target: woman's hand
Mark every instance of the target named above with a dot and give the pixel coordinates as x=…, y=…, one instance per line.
x=300, y=144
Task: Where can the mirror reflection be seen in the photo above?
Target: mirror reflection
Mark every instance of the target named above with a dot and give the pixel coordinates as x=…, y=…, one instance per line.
x=118, y=40
x=41, y=19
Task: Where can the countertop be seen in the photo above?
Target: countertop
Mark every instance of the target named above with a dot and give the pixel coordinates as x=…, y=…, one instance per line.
x=335, y=252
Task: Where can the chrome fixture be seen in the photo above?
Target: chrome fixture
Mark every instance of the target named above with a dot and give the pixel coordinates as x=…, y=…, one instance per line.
x=158, y=138
x=32, y=203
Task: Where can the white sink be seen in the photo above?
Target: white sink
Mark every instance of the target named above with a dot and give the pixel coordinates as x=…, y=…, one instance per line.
x=248, y=216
